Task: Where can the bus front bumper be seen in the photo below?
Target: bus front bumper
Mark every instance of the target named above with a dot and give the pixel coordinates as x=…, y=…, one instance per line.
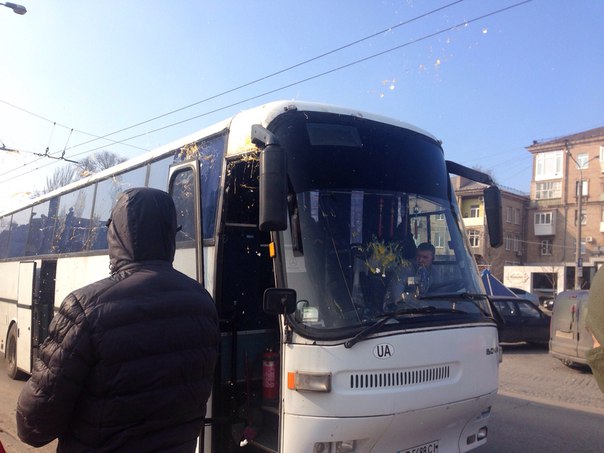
x=459, y=426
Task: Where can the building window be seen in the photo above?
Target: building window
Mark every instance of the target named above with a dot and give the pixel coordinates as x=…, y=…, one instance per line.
x=582, y=161
x=583, y=217
x=508, y=214
x=475, y=210
x=516, y=243
x=584, y=190
x=439, y=241
x=517, y=216
x=546, y=247
x=548, y=165
x=543, y=218
x=548, y=189
x=508, y=241
x=474, y=237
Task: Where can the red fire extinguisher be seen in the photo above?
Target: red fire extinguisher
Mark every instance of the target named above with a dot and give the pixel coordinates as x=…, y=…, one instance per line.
x=270, y=376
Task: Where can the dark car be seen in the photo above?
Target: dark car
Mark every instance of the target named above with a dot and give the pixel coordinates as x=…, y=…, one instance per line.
x=525, y=294
x=548, y=303
x=523, y=321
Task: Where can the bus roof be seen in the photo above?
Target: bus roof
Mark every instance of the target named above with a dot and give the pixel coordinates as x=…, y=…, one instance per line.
x=239, y=126
x=239, y=134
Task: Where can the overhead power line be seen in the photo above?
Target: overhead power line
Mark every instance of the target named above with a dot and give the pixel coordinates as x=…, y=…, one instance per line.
x=47, y=154
x=298, y=82
x=245, y=85
x=322, y=74
x=231, y=90
x=71, y=129
x=280, y=71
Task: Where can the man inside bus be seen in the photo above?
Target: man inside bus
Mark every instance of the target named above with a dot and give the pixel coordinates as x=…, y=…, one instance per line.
x=424, y=258
x=416, y=278
x=129, y=360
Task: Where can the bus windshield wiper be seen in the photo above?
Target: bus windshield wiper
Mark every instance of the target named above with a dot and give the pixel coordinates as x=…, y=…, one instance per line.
x=388, y=316
x=470, y=297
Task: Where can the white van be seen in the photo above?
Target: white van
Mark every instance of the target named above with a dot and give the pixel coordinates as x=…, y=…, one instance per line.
x=569, y=339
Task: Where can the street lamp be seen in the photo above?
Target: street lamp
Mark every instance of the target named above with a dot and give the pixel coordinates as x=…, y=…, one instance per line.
x=18, y=9
x=4, y=148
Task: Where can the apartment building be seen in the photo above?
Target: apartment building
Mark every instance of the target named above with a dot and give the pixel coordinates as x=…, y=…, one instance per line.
x=514, y=206
x=565, y=227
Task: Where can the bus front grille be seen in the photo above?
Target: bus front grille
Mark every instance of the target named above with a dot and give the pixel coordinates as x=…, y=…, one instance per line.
x=400, y=378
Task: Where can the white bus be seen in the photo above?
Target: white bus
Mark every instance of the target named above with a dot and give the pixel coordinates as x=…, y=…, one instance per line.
x=296, y=217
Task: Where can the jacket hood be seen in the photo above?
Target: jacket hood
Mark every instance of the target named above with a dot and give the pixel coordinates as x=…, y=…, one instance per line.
x=142, y=227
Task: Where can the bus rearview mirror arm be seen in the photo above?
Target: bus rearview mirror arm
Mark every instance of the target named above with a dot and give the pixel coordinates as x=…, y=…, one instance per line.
x=492, y=200
x=273, y=180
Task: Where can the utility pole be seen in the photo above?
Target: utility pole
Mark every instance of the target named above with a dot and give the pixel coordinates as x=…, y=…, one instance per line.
x=579, y=190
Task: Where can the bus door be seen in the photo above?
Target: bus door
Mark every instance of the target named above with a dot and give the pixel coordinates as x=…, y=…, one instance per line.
x=25, y=295
x=43, y=303
x=246, y=391
x=185, y=189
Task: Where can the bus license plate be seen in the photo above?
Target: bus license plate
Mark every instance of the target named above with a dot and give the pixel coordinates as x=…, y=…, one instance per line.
x=430, y=447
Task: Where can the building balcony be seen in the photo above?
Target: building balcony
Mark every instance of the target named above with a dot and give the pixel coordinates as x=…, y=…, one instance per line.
x=473, y=221
x=545, y=229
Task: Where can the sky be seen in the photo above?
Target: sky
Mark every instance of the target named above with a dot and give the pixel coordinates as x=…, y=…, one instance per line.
x=487, y=77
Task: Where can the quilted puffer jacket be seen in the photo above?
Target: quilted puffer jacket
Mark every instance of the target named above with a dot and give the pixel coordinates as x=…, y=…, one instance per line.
x=129, y=360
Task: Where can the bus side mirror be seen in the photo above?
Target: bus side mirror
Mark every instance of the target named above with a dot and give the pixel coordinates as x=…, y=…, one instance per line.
x=492, y=204
x=273, y=181
x=279, y=301
x=492, y=199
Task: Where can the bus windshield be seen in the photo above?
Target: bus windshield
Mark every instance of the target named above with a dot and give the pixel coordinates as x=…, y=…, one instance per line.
x=352, y=256
x=369, y=199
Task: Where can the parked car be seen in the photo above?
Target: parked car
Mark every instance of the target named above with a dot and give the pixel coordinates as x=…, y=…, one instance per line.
x=548, y=304
x=523, y=321
x=525, y=295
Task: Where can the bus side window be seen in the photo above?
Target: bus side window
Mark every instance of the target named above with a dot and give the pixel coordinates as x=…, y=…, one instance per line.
x=105, y=199
x=132, y=178
x=73, y=220
x=210, y=152
x=211, y=157
x=41, y=229
x=158, y=173
x=183, y=194
x=4, y=235
x=18, y=233
x=106, y=196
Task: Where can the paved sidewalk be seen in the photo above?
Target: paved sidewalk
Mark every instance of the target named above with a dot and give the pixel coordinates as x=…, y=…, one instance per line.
x=531, y=372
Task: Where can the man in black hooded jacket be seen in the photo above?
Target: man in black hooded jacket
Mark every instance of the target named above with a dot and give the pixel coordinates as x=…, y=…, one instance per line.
x=129, y=360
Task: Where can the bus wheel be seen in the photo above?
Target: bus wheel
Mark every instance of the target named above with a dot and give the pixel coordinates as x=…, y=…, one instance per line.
x=11, y=354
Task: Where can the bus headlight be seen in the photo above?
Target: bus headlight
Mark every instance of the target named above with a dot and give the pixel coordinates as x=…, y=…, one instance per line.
x=309, y=382
x=342, y=446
